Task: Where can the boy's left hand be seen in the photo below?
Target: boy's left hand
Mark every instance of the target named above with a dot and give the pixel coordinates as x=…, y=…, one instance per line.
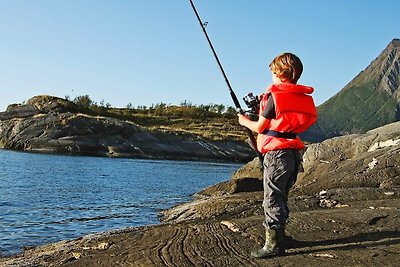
x=242, y=119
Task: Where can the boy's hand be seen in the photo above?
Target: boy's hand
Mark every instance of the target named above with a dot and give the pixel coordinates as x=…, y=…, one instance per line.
x=242, y=119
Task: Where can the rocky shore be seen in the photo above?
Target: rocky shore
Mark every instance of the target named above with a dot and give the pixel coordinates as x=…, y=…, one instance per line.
x=48, y=124
x=362, y=234
x=345, y=211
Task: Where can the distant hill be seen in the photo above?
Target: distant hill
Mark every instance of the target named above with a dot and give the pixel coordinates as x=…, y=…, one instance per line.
x=370, y=100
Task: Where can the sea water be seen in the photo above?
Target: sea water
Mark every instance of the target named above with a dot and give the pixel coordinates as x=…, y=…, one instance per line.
x=47, y=198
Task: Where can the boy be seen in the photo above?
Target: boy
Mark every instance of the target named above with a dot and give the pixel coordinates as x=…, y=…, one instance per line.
x=286, y=109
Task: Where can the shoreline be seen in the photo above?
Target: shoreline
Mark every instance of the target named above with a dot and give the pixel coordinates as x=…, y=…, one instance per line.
x=137, y=157
x=362, y=232
x=36, y=226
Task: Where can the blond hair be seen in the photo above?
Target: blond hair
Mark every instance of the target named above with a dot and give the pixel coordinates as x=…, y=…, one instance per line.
x=287, y=67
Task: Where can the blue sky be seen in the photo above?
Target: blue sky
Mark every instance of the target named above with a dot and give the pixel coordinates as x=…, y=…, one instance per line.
x=150, y=51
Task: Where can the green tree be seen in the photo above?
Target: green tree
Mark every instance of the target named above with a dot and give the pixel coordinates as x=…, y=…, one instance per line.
x=84, y=101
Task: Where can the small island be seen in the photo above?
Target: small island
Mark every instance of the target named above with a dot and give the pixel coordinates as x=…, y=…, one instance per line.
x=49, y=124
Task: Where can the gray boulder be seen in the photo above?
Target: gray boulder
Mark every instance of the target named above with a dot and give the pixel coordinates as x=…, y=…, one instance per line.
x=366, y=163
x=358, y=160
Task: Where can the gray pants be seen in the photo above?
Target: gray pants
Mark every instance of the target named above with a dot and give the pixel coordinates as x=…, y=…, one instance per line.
x=280, y=173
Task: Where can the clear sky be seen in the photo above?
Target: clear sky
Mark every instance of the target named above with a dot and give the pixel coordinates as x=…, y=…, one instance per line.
x=150, y=51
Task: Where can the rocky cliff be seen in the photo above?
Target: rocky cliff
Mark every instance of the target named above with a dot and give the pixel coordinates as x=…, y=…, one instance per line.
x=53, y=125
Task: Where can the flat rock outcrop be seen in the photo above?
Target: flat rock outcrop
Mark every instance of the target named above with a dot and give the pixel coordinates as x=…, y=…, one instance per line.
x=53, y=125
x=357, y=160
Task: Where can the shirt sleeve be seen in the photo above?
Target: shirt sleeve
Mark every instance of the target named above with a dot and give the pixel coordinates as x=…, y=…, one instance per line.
x=269, y=111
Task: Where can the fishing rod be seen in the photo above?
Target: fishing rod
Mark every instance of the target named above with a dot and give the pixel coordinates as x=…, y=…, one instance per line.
x=231, y=92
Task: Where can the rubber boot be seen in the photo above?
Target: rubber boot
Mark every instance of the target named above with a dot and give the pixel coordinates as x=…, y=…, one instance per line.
x=273, y=244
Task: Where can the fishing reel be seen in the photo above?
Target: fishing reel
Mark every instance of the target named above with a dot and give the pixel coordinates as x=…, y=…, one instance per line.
x=252, y=102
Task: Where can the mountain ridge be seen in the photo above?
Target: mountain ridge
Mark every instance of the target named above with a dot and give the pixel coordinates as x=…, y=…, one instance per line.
x=369, y=100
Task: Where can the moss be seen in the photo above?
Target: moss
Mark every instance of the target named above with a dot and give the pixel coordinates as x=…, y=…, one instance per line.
x=357, y=109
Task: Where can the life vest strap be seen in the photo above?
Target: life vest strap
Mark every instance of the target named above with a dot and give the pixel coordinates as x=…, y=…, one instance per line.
x=273, y=133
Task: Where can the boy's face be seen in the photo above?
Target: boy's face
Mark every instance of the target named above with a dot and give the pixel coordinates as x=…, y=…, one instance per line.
x=275, y=79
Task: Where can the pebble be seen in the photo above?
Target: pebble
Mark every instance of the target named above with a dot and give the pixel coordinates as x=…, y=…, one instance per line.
x=103, y=246
x=230, y=226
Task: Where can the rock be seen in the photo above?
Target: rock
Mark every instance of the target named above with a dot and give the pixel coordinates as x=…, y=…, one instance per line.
x=76, y=255
x=348, y=161
x=246, y=179
x=103, y=246
x=346, y=165
x=47, y=104
x=250, y=170
x=231, y=226
x=233, y=186
x=19, y=111
x=369, y=160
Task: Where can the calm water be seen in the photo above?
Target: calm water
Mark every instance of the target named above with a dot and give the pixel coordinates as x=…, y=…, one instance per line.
x=47, y=198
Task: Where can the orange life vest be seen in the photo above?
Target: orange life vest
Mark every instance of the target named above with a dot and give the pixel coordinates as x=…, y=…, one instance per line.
x=295, y=113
